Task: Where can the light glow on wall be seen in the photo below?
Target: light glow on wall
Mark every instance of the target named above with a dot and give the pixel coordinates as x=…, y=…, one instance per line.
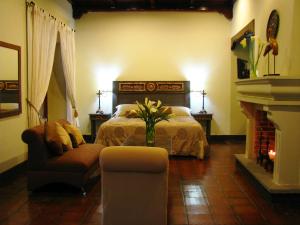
x=105, y=75
x=197, y=74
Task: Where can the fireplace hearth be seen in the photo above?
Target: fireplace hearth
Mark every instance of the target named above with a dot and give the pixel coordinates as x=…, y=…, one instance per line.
x=272, y=108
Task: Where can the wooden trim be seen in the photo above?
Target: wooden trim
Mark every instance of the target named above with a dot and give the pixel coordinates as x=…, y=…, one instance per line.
x=249, y=28
x=151, y=86
x=169, y=92
x=223, y=138
x=19, y=110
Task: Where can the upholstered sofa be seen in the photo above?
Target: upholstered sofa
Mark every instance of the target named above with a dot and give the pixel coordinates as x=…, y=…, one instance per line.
x=73, y=167
x=134, y=185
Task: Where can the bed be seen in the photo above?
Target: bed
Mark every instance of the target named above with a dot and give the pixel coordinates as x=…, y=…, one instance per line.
x=184, y=134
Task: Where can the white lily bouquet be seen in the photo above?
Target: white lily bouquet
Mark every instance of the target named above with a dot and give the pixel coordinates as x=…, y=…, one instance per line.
x=249, y=41
x=152, y=112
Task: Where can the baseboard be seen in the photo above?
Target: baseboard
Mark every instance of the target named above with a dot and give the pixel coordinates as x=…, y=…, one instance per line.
x=224, y=138
x=213, y=138
x=13, y=172
x=12, y=162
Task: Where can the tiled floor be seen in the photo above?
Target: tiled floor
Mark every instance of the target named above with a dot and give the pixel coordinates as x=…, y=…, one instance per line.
x=200, y=192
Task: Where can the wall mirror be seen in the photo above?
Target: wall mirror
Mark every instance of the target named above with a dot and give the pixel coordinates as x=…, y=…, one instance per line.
x=10, y=79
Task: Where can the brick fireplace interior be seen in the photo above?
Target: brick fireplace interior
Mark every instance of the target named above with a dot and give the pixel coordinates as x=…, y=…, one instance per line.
x=264, y=140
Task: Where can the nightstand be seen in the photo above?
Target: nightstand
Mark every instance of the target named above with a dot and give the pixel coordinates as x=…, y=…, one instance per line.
x=205, y=120
x=96, y=121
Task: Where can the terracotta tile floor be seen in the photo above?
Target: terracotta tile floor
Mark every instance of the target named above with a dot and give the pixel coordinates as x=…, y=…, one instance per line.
x=205, y=192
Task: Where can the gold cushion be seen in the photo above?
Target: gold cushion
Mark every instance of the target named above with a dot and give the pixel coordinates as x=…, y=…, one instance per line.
x=56, y=133
x=166, y=109
x=131, y=114
x=75, y=132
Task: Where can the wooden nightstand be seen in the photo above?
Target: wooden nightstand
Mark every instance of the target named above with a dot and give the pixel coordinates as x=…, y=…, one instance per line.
x=96, y=121
x=205, y=120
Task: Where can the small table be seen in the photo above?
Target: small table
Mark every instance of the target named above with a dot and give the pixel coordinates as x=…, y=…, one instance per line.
x=96, y=121
x=161, y=141
x=205, y=120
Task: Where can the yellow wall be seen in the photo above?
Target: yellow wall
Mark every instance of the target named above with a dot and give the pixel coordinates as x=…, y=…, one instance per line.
x=56, y=94
x=294, y=68
x=287, y=62
x=154, y=46
x=13, y=30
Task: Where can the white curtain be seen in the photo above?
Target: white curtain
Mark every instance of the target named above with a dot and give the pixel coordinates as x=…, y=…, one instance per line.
x=67, y=42
x=42, y=35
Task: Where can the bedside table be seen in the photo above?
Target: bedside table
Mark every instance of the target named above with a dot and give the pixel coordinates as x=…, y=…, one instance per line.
x=205, y=120
x=96, y=121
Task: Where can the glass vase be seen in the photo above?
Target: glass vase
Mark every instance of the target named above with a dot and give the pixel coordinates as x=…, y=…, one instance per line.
x=253, y=73
x=150, y=134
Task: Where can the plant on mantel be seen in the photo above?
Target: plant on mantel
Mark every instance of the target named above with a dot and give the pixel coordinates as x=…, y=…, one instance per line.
x=249, y=41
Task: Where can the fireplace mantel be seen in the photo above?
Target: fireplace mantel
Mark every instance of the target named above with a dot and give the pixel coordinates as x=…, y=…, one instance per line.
x=271, y=90
x=279, y=96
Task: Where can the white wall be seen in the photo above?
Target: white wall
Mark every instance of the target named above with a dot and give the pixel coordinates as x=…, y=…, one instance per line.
x=155, y=46
x=13, y=30
x=287, y=62
x=246, y=10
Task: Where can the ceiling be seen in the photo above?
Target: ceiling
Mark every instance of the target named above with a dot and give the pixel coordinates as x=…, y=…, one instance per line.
x=83, y=6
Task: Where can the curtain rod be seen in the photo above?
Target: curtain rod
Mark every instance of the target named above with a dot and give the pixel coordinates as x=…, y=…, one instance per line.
x=32, y=4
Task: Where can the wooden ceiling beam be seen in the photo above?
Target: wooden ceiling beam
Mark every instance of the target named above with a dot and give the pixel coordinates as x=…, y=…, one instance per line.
x=83, y=6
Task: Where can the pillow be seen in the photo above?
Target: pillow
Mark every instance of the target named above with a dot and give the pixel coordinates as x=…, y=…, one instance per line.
x=74, y=141
x=55, y=148
x=181, y=111
x=131, y=114
x=166, y=109
x=123, y=108
x=75, y=132
x=57, y=138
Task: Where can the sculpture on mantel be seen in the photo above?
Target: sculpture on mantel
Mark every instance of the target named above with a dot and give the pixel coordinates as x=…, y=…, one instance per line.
x=272, y=30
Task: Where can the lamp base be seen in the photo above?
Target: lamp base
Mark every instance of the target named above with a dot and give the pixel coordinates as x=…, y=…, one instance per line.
x=99, y=111
x=203, y=111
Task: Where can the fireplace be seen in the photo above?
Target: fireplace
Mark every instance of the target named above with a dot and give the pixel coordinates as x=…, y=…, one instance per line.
x=272, y=109
x=264, y=140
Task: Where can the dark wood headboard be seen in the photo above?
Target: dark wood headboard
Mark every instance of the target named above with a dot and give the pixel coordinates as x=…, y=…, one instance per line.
x=169, y=92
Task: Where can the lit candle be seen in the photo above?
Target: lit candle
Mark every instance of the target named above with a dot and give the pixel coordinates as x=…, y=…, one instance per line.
x=272, y=155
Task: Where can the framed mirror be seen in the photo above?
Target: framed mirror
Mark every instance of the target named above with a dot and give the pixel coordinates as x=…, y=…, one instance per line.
x=10, y=79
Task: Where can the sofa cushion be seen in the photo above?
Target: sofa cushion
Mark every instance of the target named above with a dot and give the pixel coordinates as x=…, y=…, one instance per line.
x=74, y=141
x=76, y=160
x=75, y=132
x=55, y=148
x=56, y=133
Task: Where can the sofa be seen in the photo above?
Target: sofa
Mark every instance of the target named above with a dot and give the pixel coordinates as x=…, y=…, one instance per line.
x=134, y=185
x=73, y=167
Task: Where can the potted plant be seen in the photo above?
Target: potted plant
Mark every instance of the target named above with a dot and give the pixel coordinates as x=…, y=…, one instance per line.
x=152, y=112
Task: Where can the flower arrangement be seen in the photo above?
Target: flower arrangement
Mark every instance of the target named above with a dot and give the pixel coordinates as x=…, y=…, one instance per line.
x=249, y=41
x=152, y=112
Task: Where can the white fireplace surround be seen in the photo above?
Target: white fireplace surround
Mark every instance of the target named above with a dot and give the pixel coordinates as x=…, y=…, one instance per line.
x=279, y=96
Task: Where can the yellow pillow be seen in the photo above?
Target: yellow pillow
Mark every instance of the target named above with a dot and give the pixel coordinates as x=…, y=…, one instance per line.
x=131, y=114
x=75, y=132
x=166, y=109
x=56, y=133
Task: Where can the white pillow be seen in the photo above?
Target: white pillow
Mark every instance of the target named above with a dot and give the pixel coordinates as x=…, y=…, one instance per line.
x=124, y=108
x=181, y=111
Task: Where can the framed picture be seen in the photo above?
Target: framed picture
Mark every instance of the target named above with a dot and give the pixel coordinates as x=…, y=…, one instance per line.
x=242, y=69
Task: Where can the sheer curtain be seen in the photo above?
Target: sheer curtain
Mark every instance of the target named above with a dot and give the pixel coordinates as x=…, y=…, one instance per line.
x=67, y=42
x=42, y=35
